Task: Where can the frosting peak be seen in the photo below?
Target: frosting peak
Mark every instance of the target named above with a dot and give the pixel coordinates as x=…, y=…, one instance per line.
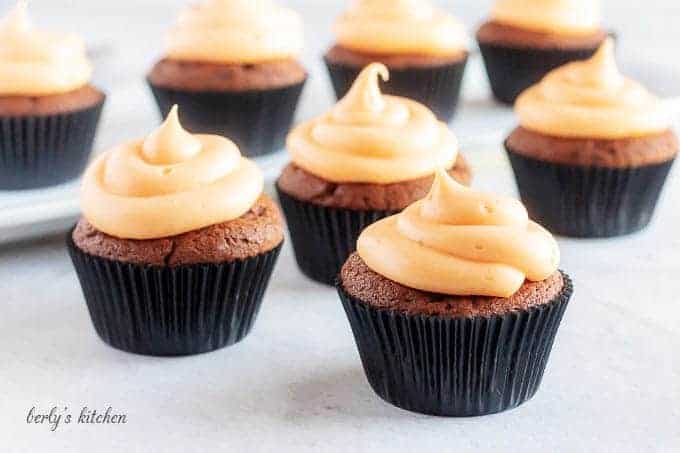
x=461, y=242
x=34, y=62
x=400, y=26
x=170, y=183
x=170, y=143
x=575, y=17
x=592, y=99
x=373, y=138
x=236, y=31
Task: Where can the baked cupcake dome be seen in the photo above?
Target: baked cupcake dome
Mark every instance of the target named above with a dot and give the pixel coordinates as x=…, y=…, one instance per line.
x=232, y=66
x=424, y=48
x=524, y=40
x=176, y=244
x=369, y=157
x=455, y=302
x=48, y=110
x=593, y=149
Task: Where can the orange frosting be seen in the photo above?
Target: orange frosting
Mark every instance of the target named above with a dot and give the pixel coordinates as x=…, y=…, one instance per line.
x=461, y=242
x=170, y=183
x=236, y=31
x=592, y=99
x=400, y=26
x=38, y=63
x=568, y=17
x=372, y=138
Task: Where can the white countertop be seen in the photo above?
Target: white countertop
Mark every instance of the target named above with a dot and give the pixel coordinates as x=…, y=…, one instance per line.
x=296, y=383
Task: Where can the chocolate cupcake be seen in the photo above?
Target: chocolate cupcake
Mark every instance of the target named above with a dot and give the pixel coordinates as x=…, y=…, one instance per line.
x=48, y=110
x=232, y=66
x=593, y=149
x=524, y=40
x=455, y=303
x=177, y=243
x=424, y=48
x=368, y=158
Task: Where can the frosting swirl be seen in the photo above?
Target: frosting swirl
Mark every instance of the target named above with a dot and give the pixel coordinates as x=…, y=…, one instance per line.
x=400, y=26
x=457, y=241
x=591, y=99
x=371, y=138
x=236, y=31
x=168, y=184
x=37, y=63
x=569, y=17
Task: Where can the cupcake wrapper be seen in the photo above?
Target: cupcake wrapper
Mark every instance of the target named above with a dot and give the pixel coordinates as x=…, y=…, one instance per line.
x=42, y=151
x=257, y=121
x=438, y=87
x=323, y=238
x=589, y=202
x=512, y=70
x=457, y=367
x=172, y=311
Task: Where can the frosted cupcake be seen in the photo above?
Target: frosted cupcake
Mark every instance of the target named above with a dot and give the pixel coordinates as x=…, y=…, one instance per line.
x=49, y=111
x=369, y=157
x=593, y=149
x=524, y=40
x=232, y=66
x=176, y=244
x=455, y=302
x=424, y=48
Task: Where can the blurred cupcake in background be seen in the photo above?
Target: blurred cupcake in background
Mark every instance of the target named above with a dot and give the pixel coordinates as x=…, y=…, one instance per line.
x=176, y=244
x=368, y=158
x=232, y=66
x=593, y=149
x=48, y=110
x=424, y=48
x=455, y=302
x=525, y=39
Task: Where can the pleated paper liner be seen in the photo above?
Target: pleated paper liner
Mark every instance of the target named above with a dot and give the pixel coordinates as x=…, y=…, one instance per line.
x=512, y=70
x=257, y=121
x=588, y=201
x=46, y=150
x=323, y=238
x=438, y=87
x=458, y=367
x=172, y=311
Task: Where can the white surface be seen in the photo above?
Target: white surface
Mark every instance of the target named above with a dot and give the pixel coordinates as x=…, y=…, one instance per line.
x=296, y=383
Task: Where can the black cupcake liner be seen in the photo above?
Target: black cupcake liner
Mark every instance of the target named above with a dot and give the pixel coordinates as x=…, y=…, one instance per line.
x=589, y=201
x=257, y=121
x=437, y=87
x=323, y=238
x=172, y=311
x=512, y=70
x=46, y=150
x=456, y=367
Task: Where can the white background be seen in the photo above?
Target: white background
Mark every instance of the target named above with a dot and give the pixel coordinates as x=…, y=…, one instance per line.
x=296, y=384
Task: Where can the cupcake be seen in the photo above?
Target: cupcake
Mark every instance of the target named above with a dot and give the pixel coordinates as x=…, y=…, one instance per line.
x=593, y=149
x=176, y=244
x=455, y=302
x=526, y=39
x=368, y=158
x=48, y=110
x=231, y=65
x=424, y=48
